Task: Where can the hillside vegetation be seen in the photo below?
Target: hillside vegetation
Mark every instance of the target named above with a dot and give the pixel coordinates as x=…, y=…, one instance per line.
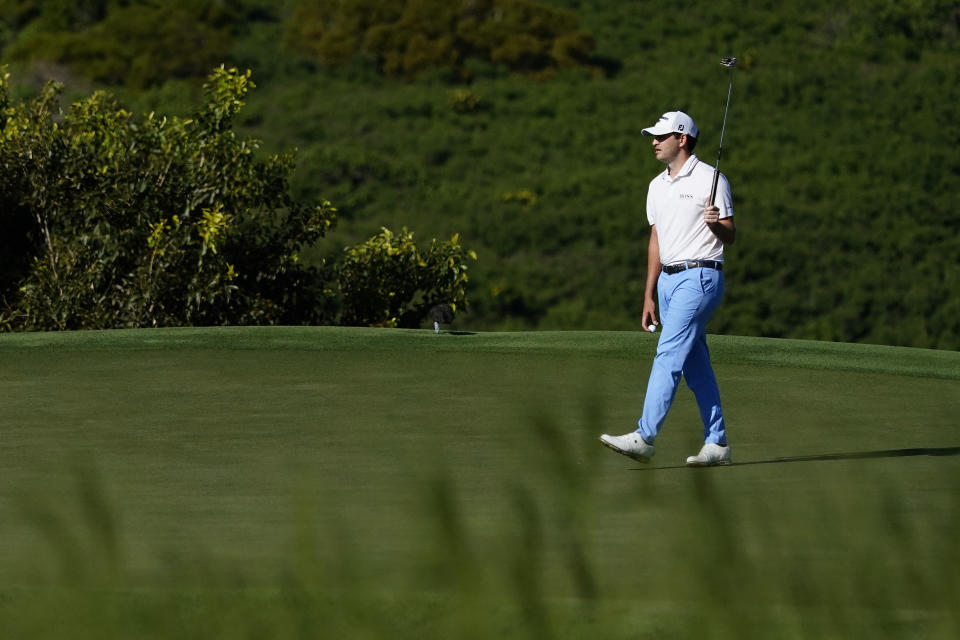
x=840, y=144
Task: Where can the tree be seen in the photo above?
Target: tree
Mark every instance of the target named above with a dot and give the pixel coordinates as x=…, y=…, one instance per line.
x=133, y=43
x=152, y=222
x=409, y=37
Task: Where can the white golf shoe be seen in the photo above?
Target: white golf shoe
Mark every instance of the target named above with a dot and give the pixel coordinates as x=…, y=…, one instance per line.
x=630, y=445
x=710, y=455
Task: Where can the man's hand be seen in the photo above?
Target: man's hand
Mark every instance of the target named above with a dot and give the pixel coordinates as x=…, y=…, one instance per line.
x=649, y=314
x=723, y=229
x=711, y=214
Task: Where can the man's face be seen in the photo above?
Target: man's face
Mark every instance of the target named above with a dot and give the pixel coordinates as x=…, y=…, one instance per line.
x=666, y=147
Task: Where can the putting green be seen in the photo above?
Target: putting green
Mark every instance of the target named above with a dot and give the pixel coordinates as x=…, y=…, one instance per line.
x=445, y=475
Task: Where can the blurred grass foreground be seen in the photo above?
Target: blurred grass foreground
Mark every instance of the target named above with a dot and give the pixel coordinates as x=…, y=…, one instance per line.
x=350, y=483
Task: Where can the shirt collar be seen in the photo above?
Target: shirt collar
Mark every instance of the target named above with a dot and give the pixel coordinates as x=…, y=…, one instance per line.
x=685, y=170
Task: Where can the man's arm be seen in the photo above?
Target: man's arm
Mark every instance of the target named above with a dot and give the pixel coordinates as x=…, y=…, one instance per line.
x=653, y=273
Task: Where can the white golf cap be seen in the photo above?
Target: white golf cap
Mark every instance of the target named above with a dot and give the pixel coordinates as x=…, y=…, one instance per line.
x=673, y=122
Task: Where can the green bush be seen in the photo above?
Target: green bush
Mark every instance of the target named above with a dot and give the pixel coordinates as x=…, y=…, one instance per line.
x=152, y=222
x=388, y=281
x=112, y=221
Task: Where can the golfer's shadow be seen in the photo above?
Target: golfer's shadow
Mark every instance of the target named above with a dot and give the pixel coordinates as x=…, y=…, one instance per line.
x=861, y=455
x=854, y=455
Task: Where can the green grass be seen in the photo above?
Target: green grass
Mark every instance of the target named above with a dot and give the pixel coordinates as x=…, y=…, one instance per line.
x=332, y=482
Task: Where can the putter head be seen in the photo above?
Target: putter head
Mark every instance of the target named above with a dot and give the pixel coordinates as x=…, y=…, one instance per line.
x=728, y=62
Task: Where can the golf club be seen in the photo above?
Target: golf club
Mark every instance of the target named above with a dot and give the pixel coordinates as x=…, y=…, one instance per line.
x=728, y=63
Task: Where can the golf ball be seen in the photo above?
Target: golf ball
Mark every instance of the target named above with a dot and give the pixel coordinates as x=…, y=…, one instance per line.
x=652, y=328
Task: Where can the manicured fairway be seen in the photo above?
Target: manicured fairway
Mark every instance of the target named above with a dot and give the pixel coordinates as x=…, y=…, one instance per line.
x=329, y=482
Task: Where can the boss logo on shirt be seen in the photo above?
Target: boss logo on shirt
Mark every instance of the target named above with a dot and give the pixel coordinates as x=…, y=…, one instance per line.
x=687, y=196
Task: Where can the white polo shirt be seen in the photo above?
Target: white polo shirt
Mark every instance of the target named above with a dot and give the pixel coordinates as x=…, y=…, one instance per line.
x=675, y=206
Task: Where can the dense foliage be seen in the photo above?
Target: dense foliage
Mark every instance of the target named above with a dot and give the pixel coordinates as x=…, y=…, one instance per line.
x=110, y=221
x=412, y=36
x=120, y=42
x=388, y=281
x=840, y=146
x=154, y=222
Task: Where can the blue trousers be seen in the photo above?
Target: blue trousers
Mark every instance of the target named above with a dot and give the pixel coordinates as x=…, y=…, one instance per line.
x=687, y=302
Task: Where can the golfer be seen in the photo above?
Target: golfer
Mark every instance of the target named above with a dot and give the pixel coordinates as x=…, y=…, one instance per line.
x=685, y=272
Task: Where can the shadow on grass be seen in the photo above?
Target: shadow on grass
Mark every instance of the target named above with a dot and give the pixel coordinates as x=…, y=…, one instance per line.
x=822, y=457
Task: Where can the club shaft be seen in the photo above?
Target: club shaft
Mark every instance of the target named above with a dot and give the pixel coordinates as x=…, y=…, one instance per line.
x=723, y=128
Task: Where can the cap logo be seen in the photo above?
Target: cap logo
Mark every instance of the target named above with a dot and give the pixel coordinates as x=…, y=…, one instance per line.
x=679, y=127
